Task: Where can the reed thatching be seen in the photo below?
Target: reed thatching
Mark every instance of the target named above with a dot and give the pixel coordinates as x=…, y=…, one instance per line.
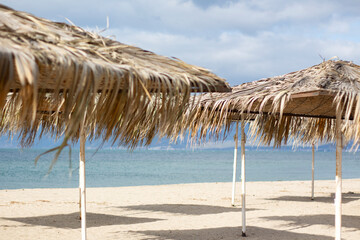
x=300, y=104
x=54, y=76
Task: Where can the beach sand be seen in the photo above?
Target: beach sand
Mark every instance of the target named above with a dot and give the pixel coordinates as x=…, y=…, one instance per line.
x=275, y=210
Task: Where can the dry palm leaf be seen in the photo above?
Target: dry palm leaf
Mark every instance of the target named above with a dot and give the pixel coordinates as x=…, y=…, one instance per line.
x=53, y=74
x=300, y=104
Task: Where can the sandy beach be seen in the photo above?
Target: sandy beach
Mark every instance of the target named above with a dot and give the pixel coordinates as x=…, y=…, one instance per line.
x=276, y=210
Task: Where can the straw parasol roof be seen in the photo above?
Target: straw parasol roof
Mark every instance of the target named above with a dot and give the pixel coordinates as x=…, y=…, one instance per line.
x=285, y=103
x=315, y=103
x=54, y=75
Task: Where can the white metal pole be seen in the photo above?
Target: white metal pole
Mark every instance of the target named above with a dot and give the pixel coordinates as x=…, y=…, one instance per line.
x=79, y=197
x=235, y=163
x=80, y=169
x=82, y=182
x=338, y=179
x=243, y=180
x=313, y=169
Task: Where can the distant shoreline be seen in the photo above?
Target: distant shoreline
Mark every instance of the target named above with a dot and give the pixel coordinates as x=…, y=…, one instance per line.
x=323, y=148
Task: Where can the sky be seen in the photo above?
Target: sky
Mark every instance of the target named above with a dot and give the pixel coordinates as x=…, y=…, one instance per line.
x=240, y=41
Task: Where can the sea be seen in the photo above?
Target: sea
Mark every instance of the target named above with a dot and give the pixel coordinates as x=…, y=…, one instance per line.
x=119, y=167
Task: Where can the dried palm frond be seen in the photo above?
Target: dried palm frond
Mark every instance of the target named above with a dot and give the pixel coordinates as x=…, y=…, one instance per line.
x=286, y=102
x=53, y=74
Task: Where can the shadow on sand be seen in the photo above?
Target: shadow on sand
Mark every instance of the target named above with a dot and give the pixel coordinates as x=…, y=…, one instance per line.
x=228, y=233
x=348, y=221
x=346, y=198
x=72, y=220
x=186, y=209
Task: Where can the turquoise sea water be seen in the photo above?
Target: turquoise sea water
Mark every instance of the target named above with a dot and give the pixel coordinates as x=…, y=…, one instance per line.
x=111, y=168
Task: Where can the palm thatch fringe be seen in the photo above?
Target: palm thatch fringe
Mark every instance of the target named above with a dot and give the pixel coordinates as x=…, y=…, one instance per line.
x=52, y=74
x=301, y=105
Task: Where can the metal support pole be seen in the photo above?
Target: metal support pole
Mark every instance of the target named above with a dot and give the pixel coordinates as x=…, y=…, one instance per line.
x=243, y=180
x=236, y=137
x=82, y=182
x=338, y=179
x=313, y=169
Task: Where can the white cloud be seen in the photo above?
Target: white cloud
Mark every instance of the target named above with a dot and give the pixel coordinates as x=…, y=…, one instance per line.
x=337, y=26
x=240, y=57
x=238, y=40
x=185, y=16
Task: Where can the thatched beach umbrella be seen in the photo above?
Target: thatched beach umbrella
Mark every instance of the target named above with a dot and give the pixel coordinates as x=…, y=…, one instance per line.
x=65, y=81
x=322, y=99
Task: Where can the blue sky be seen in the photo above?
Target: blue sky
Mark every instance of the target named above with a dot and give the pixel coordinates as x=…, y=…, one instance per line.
x=240, y=41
